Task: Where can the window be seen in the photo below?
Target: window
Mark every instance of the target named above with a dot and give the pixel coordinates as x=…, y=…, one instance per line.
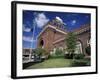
x=42, y=43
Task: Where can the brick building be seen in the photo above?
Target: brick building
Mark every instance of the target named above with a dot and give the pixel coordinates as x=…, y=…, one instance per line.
x=54, y=33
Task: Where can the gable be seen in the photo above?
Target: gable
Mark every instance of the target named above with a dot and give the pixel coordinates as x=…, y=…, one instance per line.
x=58, y=35
x=51, y=27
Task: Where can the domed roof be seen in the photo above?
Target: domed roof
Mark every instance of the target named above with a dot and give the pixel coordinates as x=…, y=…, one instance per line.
x=58, y=23
x=59, y=19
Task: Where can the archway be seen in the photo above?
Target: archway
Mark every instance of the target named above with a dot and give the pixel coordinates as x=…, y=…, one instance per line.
x=78, y=48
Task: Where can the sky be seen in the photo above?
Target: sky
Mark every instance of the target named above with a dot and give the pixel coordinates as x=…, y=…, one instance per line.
x=33, y=22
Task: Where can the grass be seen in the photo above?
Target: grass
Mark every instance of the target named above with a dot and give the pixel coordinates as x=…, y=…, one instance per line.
x=52, y=63
x=58, y=62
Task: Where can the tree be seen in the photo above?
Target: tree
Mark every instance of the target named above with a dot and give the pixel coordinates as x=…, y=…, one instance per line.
x=71, y=43
x=41, y=52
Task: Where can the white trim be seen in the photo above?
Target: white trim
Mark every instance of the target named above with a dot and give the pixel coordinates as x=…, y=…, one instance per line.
x=57, y=29
x=82, y=30
x=49, y=26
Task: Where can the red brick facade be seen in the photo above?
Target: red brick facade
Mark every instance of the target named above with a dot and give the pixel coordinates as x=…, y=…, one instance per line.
x=52, y=37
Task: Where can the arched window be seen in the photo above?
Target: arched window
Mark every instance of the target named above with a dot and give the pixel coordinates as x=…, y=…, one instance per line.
x=78, y=48
x=42, y=43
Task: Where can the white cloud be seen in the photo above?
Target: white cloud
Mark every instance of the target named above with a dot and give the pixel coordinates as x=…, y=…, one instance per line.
x=41, y=20
x=26, y=29
x=73, y=22
x=28, y=39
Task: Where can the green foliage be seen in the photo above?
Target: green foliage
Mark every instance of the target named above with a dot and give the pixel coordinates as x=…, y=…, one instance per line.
x=69, y=56
x=88, y=50
x=81, y=62
x=40, y=51
x=88, y=61
x=58, y=52
x=78, y=63
x=79, y=56
x=71, y=43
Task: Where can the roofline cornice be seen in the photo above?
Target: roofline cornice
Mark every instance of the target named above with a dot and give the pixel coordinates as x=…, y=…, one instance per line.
x=52, y=27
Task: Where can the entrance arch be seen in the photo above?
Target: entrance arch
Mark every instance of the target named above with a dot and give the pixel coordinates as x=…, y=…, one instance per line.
x=78, y=48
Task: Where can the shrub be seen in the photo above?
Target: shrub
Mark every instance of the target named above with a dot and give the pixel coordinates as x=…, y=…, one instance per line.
x=69, y=56
x=79, y=63
x=88, y=60
x=88, y=50
x=40, y=52
x=79, y=56
x=58, y=52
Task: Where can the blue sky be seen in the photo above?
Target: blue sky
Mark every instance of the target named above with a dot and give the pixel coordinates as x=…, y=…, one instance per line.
x=33, y=22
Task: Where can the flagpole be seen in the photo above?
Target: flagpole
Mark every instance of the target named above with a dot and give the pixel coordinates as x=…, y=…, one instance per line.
x=32, y=40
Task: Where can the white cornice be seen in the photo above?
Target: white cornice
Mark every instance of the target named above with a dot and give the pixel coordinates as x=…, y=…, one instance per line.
x=49, y=26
